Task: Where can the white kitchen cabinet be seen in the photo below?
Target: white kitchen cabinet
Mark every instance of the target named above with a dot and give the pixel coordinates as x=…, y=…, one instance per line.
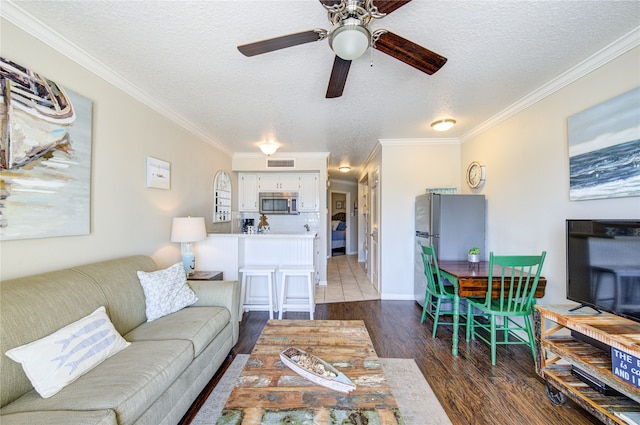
x=309, y=193
x=248, y=192
x=307, y=185
x=275, y=182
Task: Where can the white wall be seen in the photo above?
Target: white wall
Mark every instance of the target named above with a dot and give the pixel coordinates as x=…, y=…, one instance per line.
x=527, y=187
x=126, y=217
x=407, y=169
x=527, y=168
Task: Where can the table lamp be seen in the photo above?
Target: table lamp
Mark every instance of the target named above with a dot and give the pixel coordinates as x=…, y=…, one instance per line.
x=187, y=230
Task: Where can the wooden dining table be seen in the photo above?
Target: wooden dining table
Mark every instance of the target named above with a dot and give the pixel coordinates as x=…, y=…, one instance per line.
x=472, y=280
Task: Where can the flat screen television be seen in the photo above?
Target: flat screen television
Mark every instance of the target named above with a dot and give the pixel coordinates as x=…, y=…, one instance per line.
x=603, y=265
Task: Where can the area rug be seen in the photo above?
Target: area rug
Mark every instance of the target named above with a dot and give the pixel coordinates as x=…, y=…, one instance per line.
x=416, y=400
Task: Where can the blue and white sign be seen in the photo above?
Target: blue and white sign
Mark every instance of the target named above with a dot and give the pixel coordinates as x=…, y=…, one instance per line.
x=625, y=366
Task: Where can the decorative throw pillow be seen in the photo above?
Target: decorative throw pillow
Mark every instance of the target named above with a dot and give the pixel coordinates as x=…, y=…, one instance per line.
x=53, y=362
x=166, y=291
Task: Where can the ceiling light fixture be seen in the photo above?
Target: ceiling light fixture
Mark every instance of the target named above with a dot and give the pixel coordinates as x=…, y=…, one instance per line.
x=268, y=147
x=344, y=168
x=443, y=125
x=349, y=39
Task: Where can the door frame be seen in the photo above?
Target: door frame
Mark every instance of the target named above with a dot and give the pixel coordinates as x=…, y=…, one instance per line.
x=348, y=212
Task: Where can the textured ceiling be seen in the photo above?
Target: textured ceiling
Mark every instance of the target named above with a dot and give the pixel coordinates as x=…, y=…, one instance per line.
x=183, y=55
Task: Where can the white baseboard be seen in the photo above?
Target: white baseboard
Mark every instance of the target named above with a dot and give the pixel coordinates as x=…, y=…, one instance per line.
x=397, y=297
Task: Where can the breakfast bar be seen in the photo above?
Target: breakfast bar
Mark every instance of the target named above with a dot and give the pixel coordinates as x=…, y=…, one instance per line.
x=232, y=251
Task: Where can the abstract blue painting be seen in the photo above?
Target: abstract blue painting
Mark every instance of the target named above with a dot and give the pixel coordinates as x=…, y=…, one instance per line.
x=604, y=149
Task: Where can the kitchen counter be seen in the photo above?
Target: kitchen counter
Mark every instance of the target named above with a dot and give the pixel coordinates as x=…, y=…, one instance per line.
x=275, y=235
x=228, y=252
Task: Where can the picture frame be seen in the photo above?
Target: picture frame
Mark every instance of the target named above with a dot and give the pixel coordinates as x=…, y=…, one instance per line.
x=46, y=155
x=158, y=173
x=603, y=140
x=339, y=205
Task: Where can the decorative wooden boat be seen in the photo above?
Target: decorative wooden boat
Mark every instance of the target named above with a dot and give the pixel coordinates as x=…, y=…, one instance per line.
x=316, y=370
x=36, y=115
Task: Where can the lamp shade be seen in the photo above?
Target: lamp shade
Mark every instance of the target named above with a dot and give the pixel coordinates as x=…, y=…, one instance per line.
x=188, y=229
x=349, y=41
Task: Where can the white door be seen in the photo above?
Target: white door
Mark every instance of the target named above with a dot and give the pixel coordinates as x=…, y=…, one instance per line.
x=309, y=196
x=290, y=182
x=248, y=192
x=269, y=182
x=374, y=251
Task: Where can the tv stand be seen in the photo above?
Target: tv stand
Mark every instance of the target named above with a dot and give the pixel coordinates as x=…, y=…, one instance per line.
x=561, y=354
x=579, y=306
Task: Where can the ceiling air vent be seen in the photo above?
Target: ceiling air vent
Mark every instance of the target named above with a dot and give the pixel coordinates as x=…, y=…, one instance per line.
x=281, y=163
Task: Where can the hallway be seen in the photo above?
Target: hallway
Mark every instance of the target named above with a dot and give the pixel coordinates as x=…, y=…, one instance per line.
x=346, y=281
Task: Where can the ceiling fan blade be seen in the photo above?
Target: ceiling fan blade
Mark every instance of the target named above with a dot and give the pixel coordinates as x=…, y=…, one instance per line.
x=278, y=43
x=329, y=3
x=388, y=6
x=410, y=53
x=338, y=77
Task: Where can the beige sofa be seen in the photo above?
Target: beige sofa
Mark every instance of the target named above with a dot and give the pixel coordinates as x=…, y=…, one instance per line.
x=153, y=381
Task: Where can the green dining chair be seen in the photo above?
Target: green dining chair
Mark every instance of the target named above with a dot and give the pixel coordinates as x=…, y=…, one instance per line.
x=512, y=284
x=436, y=291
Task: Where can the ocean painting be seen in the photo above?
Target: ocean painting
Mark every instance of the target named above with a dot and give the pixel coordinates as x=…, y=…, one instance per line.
x=45, y=157
x=604, y=149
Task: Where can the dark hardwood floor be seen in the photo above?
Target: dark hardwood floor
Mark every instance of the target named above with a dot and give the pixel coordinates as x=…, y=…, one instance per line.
x=468, y=387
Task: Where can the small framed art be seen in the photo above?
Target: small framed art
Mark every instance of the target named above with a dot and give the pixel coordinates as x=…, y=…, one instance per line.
x=158, y=173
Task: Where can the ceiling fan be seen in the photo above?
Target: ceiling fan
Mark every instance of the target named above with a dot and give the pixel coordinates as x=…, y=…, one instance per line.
x=350, y=36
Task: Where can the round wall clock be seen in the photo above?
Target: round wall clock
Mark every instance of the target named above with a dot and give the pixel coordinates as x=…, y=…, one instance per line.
x=475, y=175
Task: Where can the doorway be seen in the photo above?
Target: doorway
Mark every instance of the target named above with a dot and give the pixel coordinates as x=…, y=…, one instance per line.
x=339, y=214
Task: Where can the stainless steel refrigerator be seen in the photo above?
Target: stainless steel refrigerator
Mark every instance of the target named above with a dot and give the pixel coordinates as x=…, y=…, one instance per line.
x=453, y=224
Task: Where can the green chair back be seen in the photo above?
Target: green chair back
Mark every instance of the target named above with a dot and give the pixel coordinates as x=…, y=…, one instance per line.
x=436, y=292
x=514, y=278
x=517, y=281
x=432, y=271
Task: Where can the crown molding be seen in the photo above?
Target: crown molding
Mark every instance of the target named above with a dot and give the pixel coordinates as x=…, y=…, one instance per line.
x=420, y=142
x=45, y=34
x=595, y=61
x=282, y=155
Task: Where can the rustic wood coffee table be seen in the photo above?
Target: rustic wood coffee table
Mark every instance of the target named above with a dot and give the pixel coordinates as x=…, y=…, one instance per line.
x=268, y=392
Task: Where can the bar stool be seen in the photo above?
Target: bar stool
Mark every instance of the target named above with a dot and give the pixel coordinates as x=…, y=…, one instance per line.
x=266, y=271
x=302, y=305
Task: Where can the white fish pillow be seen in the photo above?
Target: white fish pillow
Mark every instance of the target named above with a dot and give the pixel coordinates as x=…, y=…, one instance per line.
x=53, y=362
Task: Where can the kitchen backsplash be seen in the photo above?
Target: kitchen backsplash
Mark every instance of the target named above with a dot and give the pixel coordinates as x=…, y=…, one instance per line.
x=280, y=223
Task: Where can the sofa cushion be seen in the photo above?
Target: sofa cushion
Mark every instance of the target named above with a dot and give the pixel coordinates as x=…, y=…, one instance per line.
x=53, y=362
x=62, y=417
x=118, y=283
x=127, y=383
x=200, y=325
x=166, y=291
x=36, y=306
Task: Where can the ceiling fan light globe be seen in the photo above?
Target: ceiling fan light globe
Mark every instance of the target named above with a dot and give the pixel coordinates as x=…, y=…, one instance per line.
x=350, y=41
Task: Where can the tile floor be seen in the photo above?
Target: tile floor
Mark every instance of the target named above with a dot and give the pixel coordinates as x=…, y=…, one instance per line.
x=346, y=281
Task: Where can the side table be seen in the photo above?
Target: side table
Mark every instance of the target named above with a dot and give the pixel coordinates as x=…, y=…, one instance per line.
x=205, y=275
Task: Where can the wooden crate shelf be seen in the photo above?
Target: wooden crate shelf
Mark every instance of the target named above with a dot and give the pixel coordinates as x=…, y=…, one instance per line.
x=557, y=352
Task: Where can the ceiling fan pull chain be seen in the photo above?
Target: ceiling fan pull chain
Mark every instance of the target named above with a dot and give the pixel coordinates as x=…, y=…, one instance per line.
x=371, y=52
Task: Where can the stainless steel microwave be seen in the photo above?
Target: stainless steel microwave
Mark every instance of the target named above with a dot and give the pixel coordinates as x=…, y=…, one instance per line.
x=278, y=202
